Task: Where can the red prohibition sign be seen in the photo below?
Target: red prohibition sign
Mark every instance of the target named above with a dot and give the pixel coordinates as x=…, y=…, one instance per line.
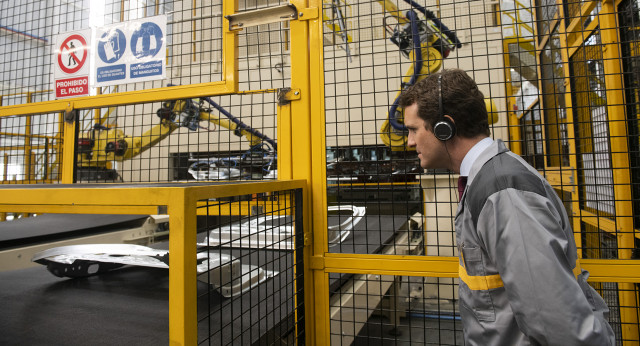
x=79, y=62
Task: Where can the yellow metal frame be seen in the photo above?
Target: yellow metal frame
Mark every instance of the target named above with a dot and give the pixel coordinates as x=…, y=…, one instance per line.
x=180, y=202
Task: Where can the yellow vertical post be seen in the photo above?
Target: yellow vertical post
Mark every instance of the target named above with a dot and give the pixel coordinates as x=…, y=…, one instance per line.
x=5, y=168
x=306, y=72
x=32, y=164
x=27, y=144
x=229, y=47
x=573, y=159
x=512, y=119
x=620, y=162
x=68, y=151
x=183, y=319
x=318, y=174
x=97, y=113
x=285, y=157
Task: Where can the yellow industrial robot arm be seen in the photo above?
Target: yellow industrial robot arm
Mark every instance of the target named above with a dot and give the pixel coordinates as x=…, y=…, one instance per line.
x=101, y=145
x=425, y=42
x=393, y=10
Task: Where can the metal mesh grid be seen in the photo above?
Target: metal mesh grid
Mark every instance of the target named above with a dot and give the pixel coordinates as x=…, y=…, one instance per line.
x=387, y=309
x=552, y=92
x=592, y=130
x=629, y=36
x=253, y=295
x=416, y=311
x=364, y=72
x=135, y=143
x=546, y=11
x=30, y=147
x=531, y=132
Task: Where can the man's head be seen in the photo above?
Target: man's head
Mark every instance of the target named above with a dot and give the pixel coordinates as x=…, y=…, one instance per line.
x=462, y=101
x=462, y=105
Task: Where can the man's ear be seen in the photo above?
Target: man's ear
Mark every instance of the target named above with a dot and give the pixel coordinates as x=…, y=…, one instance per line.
x=445, y=128
x=450, y=119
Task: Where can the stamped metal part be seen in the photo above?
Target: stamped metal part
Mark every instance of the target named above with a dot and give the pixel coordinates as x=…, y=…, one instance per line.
x=222, y=271
x=276, y=232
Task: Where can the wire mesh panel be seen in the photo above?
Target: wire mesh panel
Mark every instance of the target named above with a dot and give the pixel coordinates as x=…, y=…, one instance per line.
x=251, y=278
x=368, y=62
x=201, y=138
x=31, y=148
x=629, y=18
x=392, y=310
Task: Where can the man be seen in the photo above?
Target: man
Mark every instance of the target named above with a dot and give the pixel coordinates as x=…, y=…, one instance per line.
x=520, y=283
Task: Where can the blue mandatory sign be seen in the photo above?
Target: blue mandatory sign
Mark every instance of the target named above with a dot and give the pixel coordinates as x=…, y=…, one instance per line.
x=111, y=73
x=147, y=40
x=111, y=46
x=146, y=69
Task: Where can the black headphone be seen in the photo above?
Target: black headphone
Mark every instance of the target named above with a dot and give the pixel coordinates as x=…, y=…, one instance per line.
x=444, y=129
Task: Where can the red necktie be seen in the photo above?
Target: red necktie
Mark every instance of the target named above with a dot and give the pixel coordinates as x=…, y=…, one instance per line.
x=462, y=183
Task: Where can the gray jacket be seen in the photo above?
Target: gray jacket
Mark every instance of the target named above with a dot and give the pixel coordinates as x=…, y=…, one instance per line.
x=519, y=281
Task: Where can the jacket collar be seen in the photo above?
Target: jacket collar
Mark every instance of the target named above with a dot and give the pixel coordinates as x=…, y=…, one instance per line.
x=498, y=147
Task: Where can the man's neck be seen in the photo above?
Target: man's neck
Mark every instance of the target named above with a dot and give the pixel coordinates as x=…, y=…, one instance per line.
x=459, y=149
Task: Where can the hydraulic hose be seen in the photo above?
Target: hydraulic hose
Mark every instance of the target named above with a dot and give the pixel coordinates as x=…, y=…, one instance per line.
x=417, y=54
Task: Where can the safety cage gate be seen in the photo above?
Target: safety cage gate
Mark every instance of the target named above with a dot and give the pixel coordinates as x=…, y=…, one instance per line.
x=225, y=276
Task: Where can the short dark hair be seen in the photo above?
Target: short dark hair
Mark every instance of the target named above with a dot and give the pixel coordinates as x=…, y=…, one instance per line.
x=461, y=99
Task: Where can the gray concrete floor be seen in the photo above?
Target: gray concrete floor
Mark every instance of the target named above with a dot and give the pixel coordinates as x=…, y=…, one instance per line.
x=412, y=330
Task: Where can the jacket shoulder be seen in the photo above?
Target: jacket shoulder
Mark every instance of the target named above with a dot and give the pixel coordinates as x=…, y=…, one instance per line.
x=501, y=172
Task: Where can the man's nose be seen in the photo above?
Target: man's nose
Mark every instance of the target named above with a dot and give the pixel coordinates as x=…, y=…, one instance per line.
x=410, y=142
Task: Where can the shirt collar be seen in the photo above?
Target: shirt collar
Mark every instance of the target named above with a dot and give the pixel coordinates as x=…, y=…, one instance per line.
x=473, y=154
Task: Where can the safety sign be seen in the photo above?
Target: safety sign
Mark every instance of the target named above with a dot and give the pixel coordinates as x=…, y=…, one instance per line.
x=129, y=52
x=71, y=63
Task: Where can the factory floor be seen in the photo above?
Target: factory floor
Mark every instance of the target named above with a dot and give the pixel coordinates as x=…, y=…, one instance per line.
x=424, y=321
x=412, y=330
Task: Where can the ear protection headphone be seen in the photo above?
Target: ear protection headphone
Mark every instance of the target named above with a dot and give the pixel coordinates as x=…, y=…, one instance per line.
x=444, y=129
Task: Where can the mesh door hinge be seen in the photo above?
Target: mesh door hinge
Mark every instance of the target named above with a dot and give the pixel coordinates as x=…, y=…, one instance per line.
x=286, y=95
x=70, y=113
x=308, y=13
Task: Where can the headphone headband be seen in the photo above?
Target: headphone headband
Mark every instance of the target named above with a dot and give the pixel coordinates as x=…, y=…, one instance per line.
x=444, y=129
x=440, y=110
